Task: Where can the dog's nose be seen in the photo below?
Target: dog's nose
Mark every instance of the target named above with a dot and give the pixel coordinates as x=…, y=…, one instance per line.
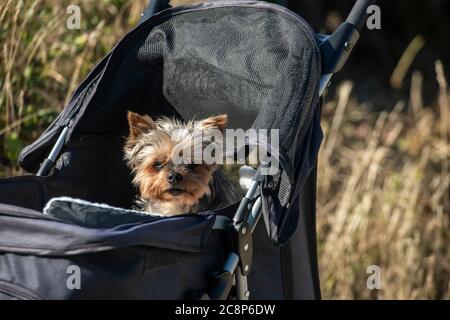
x=174, y=177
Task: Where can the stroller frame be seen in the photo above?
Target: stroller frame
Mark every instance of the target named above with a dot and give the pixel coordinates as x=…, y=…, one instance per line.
x=335, y=49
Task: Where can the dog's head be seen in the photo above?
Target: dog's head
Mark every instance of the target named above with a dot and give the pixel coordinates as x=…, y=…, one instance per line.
x=164, y=156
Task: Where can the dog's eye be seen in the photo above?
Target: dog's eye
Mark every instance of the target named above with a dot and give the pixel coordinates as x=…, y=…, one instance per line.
x=158, y=165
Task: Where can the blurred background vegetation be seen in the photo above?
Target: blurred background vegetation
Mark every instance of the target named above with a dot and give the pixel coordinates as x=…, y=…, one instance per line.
x=384, y=165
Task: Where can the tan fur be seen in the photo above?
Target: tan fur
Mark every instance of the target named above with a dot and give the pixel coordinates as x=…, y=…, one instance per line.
x=151, y=143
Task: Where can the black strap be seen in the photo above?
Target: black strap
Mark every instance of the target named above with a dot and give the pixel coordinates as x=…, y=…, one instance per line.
x=299, y=256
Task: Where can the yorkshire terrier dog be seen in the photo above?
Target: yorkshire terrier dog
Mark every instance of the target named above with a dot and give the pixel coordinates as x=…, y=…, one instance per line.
x=166, y=186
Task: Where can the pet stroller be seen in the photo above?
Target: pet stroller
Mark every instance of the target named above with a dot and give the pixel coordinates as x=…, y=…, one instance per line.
x=259, y=63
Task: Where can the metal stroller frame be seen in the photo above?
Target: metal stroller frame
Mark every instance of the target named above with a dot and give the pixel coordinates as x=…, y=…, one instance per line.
x=335, y=50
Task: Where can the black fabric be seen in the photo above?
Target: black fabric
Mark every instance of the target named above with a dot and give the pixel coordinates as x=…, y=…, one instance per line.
x=281, y=221
x=42, y=236
x=299, y=255
x=154, y=259
x=256, y=62
x=90, y=168
x=157, y=259
x=134, y=273
x=127, y=273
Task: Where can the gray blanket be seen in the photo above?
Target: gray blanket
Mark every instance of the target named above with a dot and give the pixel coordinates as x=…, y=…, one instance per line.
x=93, y=215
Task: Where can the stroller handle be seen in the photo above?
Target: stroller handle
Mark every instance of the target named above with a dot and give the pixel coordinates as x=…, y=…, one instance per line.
x=336, y=48
x=359, y=14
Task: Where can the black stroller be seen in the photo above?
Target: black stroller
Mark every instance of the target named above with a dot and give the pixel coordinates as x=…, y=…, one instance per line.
x=259, y=63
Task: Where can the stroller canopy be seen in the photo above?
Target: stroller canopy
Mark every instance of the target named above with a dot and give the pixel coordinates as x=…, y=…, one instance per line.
x=257, y=62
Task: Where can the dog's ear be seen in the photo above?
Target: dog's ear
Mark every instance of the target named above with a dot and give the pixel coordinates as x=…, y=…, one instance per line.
x=139, y=124
x=215, y=122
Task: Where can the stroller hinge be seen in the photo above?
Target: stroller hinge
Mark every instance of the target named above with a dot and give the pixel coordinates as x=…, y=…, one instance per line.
x=242, y=292
x=235, y=269
x=239, y=261
x=244, y=246
x=337, y=47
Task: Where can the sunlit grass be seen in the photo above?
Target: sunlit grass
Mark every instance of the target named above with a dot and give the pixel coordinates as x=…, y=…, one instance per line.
x=384, y=200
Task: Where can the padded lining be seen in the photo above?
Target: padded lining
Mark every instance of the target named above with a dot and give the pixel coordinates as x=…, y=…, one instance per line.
x=93, y=215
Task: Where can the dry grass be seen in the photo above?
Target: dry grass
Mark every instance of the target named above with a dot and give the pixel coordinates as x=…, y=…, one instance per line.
x=383, y=177
x=42, y=61
x=384, y=199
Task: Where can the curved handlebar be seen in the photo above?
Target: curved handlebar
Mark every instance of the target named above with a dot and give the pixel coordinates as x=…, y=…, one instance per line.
x=358, y=15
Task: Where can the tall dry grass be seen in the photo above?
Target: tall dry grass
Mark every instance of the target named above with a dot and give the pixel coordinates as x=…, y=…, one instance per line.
x=384, y=198
x=42, y=61
x=383, y=176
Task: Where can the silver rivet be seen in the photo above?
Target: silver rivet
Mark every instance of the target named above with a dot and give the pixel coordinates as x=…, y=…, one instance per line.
x=246, y=268
x=246, y=247
x=347, y=46
x=247, y=294
x=244, y=230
